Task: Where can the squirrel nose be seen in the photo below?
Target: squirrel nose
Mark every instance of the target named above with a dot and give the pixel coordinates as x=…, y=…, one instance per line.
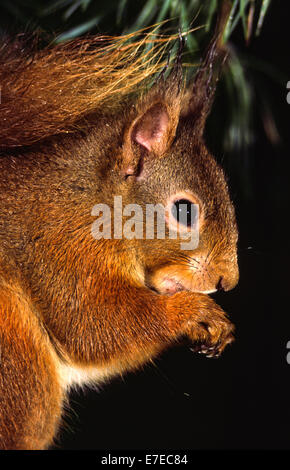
x=219, y=285
x=225, y=284
x=227, y=272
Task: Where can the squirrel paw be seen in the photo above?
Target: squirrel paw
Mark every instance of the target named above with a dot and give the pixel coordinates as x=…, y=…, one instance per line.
x=203, y=321
x=212, y=351
x=218, y=337
x=212, y=333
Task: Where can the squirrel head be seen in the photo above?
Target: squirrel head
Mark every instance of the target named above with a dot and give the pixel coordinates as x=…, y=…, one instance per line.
x=163, y=161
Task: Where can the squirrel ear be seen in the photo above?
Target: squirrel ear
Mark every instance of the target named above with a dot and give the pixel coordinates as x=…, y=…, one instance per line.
x=152, y=130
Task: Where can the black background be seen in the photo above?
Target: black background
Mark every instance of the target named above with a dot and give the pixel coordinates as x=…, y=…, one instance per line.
x=241, y=400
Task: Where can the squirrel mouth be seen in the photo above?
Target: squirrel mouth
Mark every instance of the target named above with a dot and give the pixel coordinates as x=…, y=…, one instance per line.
x=170, y=285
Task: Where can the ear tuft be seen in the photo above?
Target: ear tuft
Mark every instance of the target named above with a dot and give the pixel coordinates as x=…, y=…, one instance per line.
x=197, y=101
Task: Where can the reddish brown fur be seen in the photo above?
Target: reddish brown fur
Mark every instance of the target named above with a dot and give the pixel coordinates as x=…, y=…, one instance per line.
x=48, y=91
x=66, y=299
x=31, y=398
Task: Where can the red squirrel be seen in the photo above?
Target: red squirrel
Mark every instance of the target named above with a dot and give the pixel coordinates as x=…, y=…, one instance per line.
x=74, y=309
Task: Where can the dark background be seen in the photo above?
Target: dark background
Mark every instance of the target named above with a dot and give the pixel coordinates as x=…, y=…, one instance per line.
x=241, y=400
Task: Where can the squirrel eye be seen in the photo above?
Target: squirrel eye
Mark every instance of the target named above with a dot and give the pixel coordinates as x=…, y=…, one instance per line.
x=184, y=212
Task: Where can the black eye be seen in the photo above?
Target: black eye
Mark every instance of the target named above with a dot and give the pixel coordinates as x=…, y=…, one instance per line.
x=185, y=212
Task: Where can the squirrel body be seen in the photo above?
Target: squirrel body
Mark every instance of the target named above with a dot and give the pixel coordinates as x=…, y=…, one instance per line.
x=78, y=310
